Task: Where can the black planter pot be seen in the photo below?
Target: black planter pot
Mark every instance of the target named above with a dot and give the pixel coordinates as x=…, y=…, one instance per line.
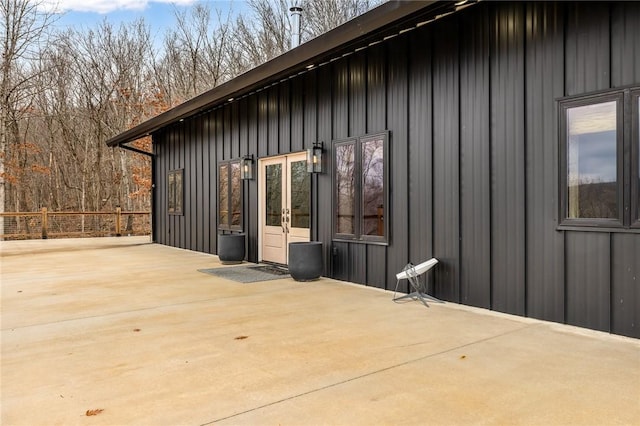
x=231, y=248
x=306, y=261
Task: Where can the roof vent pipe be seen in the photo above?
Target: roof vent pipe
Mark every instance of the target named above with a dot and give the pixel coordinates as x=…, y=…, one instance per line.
x=296, y=12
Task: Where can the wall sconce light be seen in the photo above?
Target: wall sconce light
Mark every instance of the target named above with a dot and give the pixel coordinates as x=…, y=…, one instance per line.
x=246, y=167
x=314, y=158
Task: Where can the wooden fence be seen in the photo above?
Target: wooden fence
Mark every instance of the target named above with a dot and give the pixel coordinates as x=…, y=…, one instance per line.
x=45, y=224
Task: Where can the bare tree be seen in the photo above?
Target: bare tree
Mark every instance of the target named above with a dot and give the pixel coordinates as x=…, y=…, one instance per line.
x=266, y=32
x=113, y=94
x=194, y=53
x=98, y=84
x=320, y=16
x=263, y=35
x=24, y=28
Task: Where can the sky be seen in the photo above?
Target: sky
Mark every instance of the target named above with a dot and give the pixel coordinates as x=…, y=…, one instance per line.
x=159, y=14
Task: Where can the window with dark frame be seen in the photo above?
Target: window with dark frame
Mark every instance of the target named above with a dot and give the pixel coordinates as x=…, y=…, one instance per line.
x=361, y=188
x=175, y=191
x=596, y=149
x=229, y=196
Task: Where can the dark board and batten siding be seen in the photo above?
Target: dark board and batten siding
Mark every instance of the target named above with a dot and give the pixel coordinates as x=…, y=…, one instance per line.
x=445, y=67
x=544, y=58
x=475, y=161
x=420, y=154
x=470, y=104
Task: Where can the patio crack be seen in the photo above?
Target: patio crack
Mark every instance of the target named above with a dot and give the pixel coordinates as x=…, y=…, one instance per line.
x=371, y=373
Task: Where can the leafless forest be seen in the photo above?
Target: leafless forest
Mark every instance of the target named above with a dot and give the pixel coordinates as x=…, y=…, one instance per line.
x=64, y=92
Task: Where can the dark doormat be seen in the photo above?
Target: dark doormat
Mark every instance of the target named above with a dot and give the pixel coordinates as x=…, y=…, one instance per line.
x=249, y=274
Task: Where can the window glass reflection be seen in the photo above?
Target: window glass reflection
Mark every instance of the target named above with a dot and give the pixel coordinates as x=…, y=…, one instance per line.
x=300, y=188
x=172, y=192
x=373, y=187
x=345, y=188
x=223, y=195
x=592, y=161
x=178, y=202
x=274, y=194
x=236, y=194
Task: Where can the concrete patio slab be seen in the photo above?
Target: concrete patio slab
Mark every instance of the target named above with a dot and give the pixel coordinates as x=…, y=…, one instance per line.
x=133, y=329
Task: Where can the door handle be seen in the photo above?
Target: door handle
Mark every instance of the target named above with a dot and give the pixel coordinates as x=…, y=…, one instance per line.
x=283, y=222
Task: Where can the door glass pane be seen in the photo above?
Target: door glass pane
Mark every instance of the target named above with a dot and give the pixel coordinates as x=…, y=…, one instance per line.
x=373, y=187
x=592, y=161
x=236, y=194
x=300, y=189
x=638, y=167
x=345, y=188
x=274, y=194
x=223, y=195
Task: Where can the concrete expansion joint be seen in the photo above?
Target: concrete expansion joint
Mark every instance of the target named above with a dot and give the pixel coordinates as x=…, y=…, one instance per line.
x=373, y=373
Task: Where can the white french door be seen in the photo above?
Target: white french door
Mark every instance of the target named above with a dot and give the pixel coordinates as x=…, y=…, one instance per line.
x=284, y=205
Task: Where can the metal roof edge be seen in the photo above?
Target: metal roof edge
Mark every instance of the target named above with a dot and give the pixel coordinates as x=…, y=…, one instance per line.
x=356, y=29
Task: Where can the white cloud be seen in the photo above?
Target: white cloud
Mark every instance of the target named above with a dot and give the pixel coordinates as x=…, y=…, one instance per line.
x=105, y=6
